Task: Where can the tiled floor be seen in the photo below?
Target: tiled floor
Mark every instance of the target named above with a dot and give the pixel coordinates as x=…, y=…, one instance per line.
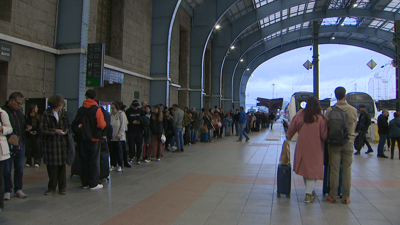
x=223, y=182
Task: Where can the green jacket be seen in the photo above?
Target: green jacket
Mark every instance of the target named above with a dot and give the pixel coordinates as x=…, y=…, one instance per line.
x=195, y=122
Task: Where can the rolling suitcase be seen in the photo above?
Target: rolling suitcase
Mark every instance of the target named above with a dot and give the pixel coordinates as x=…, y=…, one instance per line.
x=76, y=168
x=326, y=183
x=284, y=180
x=204, y=137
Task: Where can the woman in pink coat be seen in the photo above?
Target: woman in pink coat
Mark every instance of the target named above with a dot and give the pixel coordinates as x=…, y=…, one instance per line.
x=309, y=153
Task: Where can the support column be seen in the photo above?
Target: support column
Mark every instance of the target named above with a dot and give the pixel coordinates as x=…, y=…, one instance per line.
x=397, y=61
x=70, y=71
x=163, y=17
x=315, y=38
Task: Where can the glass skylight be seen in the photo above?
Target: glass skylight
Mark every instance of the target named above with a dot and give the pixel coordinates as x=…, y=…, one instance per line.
x=393, y=6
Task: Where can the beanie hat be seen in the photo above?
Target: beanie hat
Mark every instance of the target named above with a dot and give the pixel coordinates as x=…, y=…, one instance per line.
x=135, y=103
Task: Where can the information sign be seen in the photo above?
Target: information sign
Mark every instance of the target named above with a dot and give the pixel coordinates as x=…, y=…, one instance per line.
x=95, y=65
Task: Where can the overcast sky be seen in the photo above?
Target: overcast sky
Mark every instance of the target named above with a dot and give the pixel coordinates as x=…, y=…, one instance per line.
x=340, y=65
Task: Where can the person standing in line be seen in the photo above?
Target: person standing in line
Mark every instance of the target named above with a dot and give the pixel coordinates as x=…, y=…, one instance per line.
x=236, y=122
x=32, y=141
x=227, y=123
x=242, y=122
x=169, y=130
x=177, y=123
x=135, y=131
x=231, y=115
x=117, y=143
x=363, y=124
x=157, y=125
x=271, y=118
x=309, y=153
x=383, y=130
x=187, y=119
x=5, y=129
x=146, y=134
x=221, y=118
x=342, y=155
x=90, y=150
x=54, y=127
x=394, y=133
x=17, y=120
x=195, y=124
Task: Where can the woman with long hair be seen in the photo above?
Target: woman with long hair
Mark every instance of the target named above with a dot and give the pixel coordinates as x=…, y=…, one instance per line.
x=157, y=125
x=117, y=143
x=312, y=129
x=54, y=125
x=32, y=148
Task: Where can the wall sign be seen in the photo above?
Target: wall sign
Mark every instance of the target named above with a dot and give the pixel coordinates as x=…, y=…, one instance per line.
x=95, y=65
x=113, y=76
x=5, y=52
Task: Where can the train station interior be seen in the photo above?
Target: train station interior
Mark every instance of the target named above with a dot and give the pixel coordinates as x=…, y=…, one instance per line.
x=194, y=53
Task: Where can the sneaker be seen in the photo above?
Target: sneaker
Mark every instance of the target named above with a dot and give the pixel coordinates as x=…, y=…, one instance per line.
x=238, y=140
x=111, y=168
x=332, y=200
x=138, y=162
x=37, y=165
x=99, y=186
x=346, y=201
x=189, y=144
x=357, y=153
x=62, y=192
x=127, y=165
x=158, y=160
x=20, y=194
x=369, y=151
x=85, y=187
x=308, y=198
x=174, y=148
x=7, y=196
x=119, y=169
x=146, y=160
x=27, y=165
x=382, y=156
x=49, y=192
x=248, y=139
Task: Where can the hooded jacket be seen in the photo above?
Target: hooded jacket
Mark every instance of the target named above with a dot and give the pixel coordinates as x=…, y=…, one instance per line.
x=7, y=129
x=96, y=118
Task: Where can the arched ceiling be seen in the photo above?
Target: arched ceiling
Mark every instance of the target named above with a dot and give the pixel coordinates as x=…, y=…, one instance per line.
x=251, y=25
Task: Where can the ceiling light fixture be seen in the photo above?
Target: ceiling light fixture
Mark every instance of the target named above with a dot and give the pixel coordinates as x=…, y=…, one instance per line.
x=241, y=60
x=217, y=26
x=232, y=47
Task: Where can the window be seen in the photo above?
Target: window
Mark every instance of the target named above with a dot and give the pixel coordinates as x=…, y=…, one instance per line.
x=103, y=27
x=5, y=10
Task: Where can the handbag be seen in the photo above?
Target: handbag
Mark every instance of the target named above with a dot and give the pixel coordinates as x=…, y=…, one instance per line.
x=285, y=154
x=219, y=124
x=15, y=143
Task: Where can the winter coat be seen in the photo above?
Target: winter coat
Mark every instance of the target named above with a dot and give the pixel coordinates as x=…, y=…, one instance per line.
x=32, y=121
x=17, y=120
x=227, y=121
x=394, y=128
x=207, y=122
x=195, y=122
x=169, y=130
x=157, y=126
x=54, y=146
x=118, y=124
x=363, y=122
x=309, y=152
x=186, y=119
x=383, y=127
x=7, y=129
x=178, y=118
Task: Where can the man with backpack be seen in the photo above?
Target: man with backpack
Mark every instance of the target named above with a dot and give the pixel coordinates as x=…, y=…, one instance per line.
x=362, y=128
x=342, y=119
x=87, y=127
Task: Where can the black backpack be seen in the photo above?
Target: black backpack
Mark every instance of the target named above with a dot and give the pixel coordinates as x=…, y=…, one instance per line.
x=81, y=125
x=338, y=133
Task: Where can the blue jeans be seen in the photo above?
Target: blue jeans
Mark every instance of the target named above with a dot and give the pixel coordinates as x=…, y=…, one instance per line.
x=382, y=141
x=18, y=161
x=226, y=130
x=194, y=136
x=179, y=137
x=242, y=127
